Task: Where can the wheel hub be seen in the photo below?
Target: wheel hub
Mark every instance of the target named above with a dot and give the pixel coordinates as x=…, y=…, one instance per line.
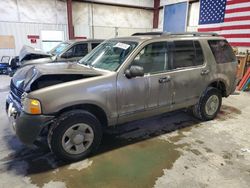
x=212, y=105
x=78, y=138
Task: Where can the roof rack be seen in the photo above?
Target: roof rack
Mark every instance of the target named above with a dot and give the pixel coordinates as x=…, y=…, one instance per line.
x=147, y=33
x=196, y=34
x=185, y=33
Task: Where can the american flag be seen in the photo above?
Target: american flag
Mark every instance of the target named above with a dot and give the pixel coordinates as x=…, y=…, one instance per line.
x=229, y=18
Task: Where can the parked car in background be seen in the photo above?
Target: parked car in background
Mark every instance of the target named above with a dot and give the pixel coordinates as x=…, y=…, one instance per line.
x=29, y=53
x=5, y=64
x=4, y=68
x=122, y=80
x=71, y=50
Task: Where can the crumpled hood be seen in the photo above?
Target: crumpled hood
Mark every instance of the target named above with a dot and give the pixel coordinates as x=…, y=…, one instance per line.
x=40, y=60
x=28, y=50
x=25, y=76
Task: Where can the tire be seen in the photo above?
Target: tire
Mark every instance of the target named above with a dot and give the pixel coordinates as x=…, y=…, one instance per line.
x=201, y=110
x=11, y=74
x=73, y=123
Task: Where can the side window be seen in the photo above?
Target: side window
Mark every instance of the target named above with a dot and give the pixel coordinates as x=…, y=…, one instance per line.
x=222, y=51
x=199, y=57
x=93, y=45
x=183, y=54
x=153, y=58
x=187, y=54
x=70, y=51
x=80, y=50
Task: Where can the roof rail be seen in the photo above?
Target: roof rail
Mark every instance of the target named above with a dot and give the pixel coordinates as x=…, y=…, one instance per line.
x=147, y=33
x=185, y=33
x=196, y=34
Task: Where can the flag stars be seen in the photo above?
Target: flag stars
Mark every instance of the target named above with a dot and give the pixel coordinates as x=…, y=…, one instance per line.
x=212, y=11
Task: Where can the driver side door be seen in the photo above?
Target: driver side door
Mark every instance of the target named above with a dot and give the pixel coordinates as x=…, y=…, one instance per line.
x=141, y=97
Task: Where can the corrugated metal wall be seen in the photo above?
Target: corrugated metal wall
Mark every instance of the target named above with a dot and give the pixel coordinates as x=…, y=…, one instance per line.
x=104, y=21
x=29, y=17
x=193, y=19
x=20, y=32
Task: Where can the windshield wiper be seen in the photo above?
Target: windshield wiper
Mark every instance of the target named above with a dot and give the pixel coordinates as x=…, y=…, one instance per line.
x=89, y=65
x=51, y=53
x=85, y=63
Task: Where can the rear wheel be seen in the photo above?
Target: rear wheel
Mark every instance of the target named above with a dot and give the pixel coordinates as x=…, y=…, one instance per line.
x=209, y=105
x=75, y=135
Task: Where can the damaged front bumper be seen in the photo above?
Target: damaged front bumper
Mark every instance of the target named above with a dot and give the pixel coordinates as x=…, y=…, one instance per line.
x=27, y=127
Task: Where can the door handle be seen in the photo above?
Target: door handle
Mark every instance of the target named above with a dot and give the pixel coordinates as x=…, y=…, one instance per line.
x=164, y=79
x=205, y=72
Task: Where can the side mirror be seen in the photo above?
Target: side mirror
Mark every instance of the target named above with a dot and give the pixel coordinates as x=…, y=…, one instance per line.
x=66, y=55
x=134, y=71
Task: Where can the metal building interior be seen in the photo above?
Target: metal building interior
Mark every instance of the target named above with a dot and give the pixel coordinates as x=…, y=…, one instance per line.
x=106, y=117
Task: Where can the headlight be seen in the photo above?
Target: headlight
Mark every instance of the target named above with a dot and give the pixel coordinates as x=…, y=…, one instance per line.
x=31, y=106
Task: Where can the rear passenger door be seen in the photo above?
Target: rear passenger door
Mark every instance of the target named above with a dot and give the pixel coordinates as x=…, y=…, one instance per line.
x=188, y=72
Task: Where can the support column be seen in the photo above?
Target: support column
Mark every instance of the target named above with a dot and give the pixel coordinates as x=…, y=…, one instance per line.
x=156, y=13
x=70, y=20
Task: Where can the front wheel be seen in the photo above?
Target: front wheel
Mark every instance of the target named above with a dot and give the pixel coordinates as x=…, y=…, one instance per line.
x=209, y=105
x=75, y=135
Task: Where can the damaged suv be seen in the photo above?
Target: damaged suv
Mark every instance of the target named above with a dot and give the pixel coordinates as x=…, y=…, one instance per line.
x=68, y=51
x=121, y=80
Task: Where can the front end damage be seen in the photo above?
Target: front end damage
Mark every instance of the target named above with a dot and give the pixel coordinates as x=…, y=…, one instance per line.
x=29, y=127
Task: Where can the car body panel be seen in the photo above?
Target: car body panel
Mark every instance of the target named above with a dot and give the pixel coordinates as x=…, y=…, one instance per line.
x=28, y=74
x=97, y=90
x=34, y=52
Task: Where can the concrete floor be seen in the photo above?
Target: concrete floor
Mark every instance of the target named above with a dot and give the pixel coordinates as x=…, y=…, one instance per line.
x=171, y=150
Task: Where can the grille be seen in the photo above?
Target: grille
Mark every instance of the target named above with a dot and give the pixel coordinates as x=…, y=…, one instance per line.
x=15, y=92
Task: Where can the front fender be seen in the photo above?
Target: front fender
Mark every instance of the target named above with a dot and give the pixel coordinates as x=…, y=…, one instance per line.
x=99, y=91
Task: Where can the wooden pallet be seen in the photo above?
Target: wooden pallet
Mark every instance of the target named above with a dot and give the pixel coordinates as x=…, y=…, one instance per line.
x=242, y=61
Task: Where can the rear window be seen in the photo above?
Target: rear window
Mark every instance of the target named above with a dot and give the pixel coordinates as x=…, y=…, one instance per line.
x=223, y=52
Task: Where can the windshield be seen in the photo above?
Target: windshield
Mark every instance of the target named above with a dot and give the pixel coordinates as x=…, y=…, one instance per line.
x=109, y=55
x=59, y=48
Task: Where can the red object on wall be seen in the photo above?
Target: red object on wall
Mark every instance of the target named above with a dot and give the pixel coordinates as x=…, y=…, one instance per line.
x=33, y=41
x=33, y=36
x=80, y=37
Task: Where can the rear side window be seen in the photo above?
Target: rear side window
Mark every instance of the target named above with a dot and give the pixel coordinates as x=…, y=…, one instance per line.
x=93, y=45
x=222, y=51
x=187, y=54
x=199, y=58
x=80, y=50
